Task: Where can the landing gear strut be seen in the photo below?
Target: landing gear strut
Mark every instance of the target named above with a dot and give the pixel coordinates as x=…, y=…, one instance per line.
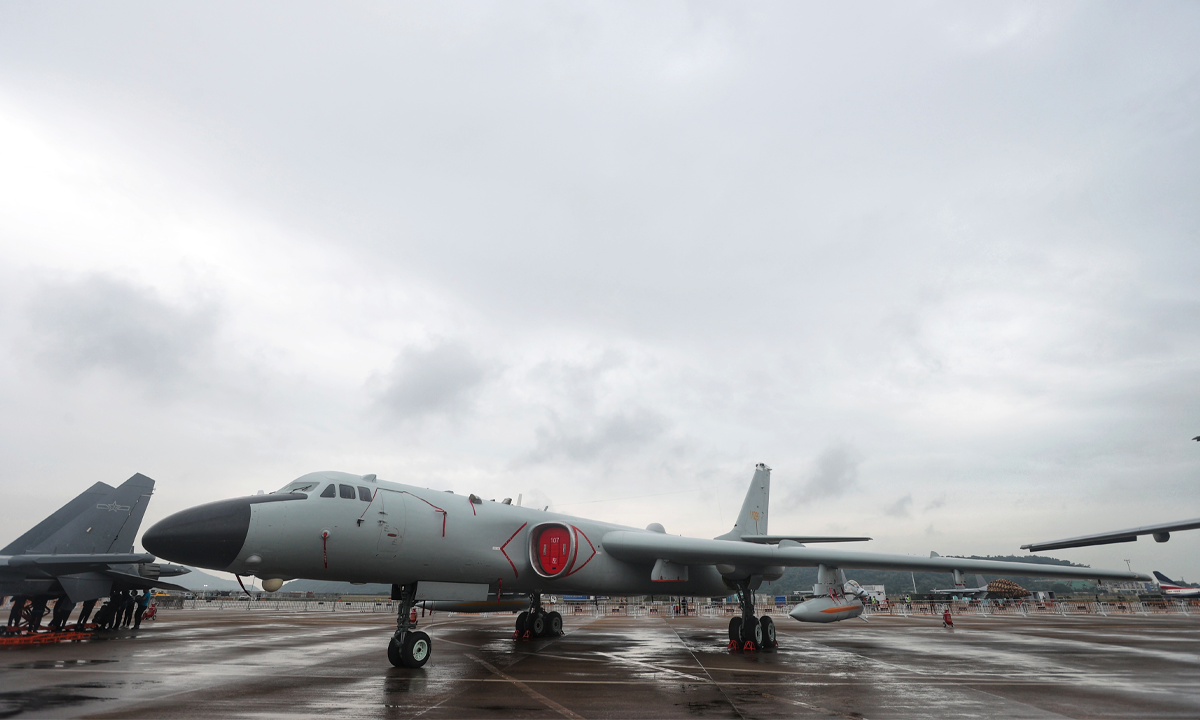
x=748, y=632
x=536, y=622
x=408, y=647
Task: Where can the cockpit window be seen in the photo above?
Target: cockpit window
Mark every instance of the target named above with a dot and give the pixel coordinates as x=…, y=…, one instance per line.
x=347, y=491
x=330, y=491
x=364, y=494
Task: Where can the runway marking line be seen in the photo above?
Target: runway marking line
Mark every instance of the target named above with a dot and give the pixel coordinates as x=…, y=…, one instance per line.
x=526, y=689
x=810, y=706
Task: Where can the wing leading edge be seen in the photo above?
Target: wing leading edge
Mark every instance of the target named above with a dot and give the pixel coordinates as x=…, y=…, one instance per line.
x=644, y=547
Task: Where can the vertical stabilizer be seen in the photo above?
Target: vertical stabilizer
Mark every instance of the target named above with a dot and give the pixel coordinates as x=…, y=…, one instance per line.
x=752, y=520
x=106, y=525
x=60, y=517
x=980, y=582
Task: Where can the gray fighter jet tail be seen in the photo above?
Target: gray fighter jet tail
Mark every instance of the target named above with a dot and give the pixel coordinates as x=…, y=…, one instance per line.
x=105, y=524
x=60, y=517
x=752, y=520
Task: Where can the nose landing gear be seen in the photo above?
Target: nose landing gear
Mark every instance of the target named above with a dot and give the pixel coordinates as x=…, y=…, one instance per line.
x=408, y=647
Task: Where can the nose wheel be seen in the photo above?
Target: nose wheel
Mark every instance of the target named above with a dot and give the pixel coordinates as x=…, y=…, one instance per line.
x=409, y=647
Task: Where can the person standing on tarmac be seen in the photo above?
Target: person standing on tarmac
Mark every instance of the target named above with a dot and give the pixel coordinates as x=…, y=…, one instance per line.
x=36, y=613
x=62, y=612
x=130, y=604
x=14, y=615
x=84, y=614
x=142, y=603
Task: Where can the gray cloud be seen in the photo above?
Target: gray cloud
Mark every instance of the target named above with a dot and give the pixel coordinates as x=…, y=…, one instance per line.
x=938, y=502
x=600, y=436
x=101, y=322
x=902, y=508
x=834, y=473
x=441, y=379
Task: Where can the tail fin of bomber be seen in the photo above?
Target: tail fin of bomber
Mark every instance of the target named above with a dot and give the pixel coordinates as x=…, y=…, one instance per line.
x=752, y=520
x=979, y=581
x=106, y=524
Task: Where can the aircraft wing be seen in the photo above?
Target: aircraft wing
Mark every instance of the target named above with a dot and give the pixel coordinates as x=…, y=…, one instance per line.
x=648, y=547
x=775, y=539
x=137, y=582
x=1161, y=533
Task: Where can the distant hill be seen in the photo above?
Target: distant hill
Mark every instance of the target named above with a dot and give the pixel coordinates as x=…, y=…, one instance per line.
x=327, y=587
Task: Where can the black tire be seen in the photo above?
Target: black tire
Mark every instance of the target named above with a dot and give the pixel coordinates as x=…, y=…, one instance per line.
x=735, y=629
x=554, y=624
x=417, y=649
x=522, y=620
x=394, y=653
x=536, y=625
x=768, y=631
x=752, y=631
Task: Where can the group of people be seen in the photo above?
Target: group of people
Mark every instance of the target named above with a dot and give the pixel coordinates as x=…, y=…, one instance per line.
x=122, y=609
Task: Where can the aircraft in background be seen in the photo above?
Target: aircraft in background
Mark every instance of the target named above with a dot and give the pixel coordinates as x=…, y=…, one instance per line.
x=441, y=546
x=1161, y=533
x=1174, y=590
x=84, y=550
x=960, y=587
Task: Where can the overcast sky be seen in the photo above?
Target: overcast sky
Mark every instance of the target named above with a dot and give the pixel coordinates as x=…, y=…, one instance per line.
x=938, y=264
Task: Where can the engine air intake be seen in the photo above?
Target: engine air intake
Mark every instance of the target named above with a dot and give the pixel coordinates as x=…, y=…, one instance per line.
x=552, y=549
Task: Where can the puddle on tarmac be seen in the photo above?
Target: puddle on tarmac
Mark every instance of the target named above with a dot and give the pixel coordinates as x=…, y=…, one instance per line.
x=42, y=699
x=55, y=664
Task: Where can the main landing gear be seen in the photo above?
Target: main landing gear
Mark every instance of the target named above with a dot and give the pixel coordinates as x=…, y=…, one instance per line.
x=408, y=647
x=536, y=622
x=749, y=633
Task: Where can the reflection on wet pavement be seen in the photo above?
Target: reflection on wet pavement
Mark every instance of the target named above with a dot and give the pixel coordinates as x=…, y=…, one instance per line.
x=208, y=663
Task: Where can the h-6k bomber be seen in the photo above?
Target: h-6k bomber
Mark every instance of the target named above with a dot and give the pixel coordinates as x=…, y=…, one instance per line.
x=439, y=546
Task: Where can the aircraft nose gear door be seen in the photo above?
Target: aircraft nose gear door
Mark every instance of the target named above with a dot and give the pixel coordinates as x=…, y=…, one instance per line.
x=387, y=510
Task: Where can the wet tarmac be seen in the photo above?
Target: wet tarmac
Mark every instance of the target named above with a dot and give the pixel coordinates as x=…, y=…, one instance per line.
x=230, y=664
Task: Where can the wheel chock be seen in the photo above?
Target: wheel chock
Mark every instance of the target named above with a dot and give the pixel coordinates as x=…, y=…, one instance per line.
x=516, y=635
x=749, y=646
x=733, y=644
x=528, y=635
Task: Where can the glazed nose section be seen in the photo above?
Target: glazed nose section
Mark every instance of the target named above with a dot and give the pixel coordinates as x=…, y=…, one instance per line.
x=208, y=536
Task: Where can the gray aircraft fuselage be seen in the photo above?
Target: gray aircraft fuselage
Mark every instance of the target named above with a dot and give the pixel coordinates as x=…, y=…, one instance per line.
x=393, y=533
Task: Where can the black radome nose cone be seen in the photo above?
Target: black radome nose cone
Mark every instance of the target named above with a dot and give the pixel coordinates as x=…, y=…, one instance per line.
x=208, y=536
